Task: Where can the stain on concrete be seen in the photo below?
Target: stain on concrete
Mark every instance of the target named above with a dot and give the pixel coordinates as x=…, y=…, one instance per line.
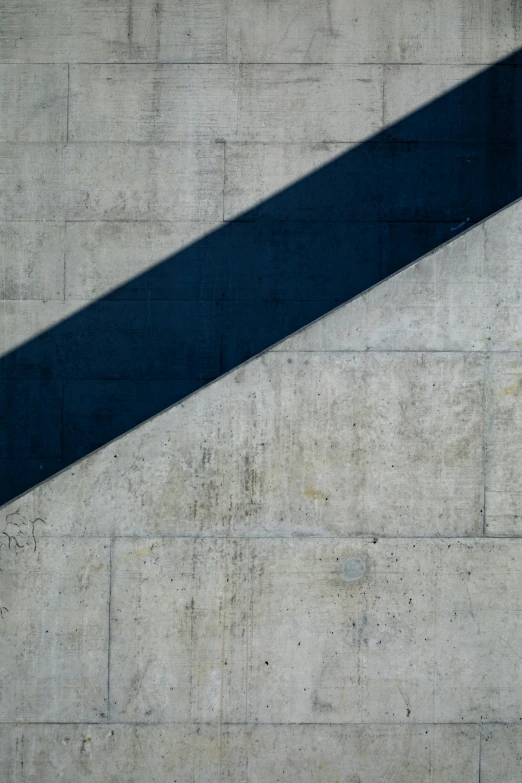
x=513, y=388
x=315, y=494
x=353, y=569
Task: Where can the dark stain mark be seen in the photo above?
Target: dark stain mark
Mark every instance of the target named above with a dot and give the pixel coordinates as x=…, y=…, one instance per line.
x=353, y=569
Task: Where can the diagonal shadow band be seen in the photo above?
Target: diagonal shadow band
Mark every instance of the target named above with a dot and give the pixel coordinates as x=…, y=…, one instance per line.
x=260, y=277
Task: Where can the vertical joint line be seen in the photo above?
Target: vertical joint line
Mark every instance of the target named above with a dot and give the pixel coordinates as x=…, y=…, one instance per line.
x=224, y=629
x=484, y=443
x=226, y=31
x=480, y=754
x=68, y=90
x=109, y=635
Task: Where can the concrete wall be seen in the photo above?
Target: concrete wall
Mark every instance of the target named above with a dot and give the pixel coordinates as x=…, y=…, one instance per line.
x=128, y=130
x=309, y=570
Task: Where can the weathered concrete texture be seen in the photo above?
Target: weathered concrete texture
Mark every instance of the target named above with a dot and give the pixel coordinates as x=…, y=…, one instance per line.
x=310, y=569
x=245, y=618
x=392, y=388
x=502, y=754
x=32, y=260
x=202, y=754
x=111, y=182
x=262, y=654
x=260, y=103
x=504, y=425
x=396, y=448
x=236, y=103
x=329, y=31
x=359, y=753
x=33, y=102
x=120, y=144
x=55, y=629
x=119, y=31
x=272, y=631
x=111, y=753
x=449, y=31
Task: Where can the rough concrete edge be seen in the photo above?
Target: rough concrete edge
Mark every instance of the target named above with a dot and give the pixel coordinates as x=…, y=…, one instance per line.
x=265, y=351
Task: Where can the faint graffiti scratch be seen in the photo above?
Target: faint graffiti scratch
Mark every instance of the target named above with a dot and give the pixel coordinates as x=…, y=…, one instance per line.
x=18, y=536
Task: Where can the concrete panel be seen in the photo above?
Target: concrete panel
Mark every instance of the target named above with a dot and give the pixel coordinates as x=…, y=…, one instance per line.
x=327, y=647
x=109, y=753
x=397, y=449
x=111, y=182
x=353, y=630
x=381, y=181
x=363, y=32
x=478, y=632
x=142, y=182
x=47, y=31
x=153, y=102
x=366, y=754
x=54, y=641
x=31, y=182
x=252, y=581
x=33, y=102
x=101, y=256
x=501, y=756
x=422, y=635
x=167, y=611
x=121, y=31
x=184, y=31
x=219, y=102
x=196, y=754
x=503, y=428
x=289, y=103
x=32, y=260
x=464, y=296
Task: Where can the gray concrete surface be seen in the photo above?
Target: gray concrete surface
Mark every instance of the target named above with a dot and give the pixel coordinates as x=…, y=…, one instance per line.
x=33, y=102
x=449, y=31
x=298, y=553
x=112, y=182
x=236, y=103
x=413, y=638
x=309, y=570
x=108, y=129
x=236, y=459
x=201, y=754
